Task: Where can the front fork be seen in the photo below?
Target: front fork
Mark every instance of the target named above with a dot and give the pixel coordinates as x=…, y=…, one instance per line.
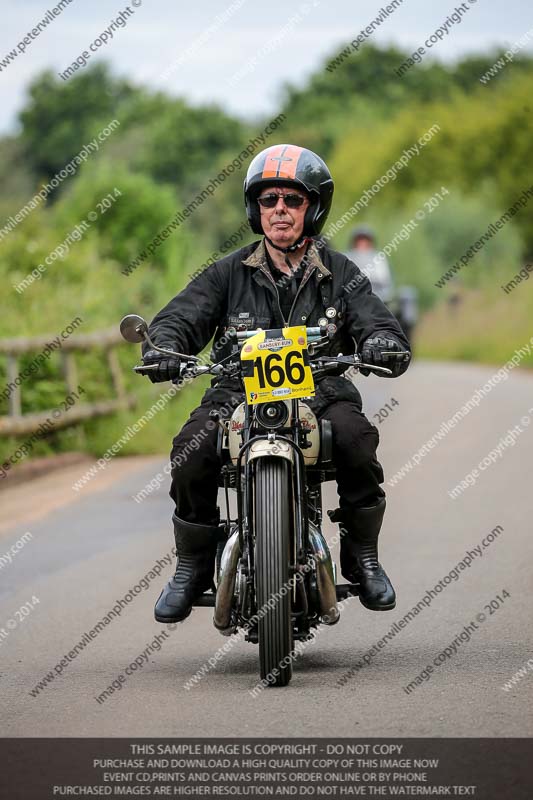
x=303, y=497
x=314, y=505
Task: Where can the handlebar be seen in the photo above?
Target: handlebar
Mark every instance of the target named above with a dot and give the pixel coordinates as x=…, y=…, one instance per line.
x=194, y=370
x=190, y=366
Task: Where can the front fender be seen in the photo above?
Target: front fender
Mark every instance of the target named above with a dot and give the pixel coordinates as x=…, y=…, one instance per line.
x=265, y=448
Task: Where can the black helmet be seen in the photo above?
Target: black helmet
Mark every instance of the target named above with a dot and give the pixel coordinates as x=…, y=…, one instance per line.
x=289, y=165
x=363, y=232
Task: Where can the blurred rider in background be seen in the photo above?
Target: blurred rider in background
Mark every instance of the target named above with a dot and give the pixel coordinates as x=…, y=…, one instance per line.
x=403, y=302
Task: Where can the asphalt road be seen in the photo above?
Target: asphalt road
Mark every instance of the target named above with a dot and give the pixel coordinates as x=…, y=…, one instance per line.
x=89, y=549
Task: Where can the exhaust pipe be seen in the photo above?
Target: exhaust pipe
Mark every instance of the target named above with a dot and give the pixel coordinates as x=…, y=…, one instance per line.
x=325, y=577
x=327, y=592
x=226, y=585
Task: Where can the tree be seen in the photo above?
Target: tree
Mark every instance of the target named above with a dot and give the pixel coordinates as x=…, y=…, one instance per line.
x=61, y=117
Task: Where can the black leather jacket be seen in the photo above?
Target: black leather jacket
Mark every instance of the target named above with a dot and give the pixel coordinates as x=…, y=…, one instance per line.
x=238, y=291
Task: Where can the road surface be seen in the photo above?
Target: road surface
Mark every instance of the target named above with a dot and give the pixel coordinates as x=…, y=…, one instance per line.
x=88, y=549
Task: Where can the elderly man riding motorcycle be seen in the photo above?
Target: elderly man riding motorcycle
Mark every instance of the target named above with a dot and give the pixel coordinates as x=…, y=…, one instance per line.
x=285, y=278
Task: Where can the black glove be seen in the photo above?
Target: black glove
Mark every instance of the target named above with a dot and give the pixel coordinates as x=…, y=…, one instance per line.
x=376, y=350
x=168, y=366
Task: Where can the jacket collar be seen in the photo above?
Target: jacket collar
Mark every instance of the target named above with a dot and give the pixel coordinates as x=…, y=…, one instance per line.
x=312, y=260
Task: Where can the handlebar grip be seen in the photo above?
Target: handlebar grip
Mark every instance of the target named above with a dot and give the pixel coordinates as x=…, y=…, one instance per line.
x=146, y=369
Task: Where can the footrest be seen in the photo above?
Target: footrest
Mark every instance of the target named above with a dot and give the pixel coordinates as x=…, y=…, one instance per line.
x=345, y=590
x=207, y=600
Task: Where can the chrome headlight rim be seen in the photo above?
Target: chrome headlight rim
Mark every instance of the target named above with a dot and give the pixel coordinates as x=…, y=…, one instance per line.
x=272, y=415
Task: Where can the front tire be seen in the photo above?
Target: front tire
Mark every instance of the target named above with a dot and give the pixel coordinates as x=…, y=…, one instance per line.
x=272, y=525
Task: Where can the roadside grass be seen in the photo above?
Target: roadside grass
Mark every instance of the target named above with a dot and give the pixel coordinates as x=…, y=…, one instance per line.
x=485, y=326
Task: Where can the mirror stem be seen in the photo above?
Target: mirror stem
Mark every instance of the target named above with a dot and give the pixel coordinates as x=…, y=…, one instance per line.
x=164, y=350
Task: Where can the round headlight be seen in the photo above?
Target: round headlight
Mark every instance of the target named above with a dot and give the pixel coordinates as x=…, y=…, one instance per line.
x=272, y=415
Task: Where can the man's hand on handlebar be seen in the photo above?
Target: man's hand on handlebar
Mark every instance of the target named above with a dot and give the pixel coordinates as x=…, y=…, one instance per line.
x=163, y=368
x=384, y=350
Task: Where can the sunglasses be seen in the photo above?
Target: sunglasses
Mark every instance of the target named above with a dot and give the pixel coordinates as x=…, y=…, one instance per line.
x=290, y=200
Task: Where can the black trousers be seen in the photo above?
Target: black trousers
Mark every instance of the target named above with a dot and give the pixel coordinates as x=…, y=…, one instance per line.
x=196, y=465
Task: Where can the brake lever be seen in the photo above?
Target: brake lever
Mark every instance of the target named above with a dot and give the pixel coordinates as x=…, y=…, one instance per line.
x=352, y=361
x=346, y=360
x=373, y=368
x=337, y=359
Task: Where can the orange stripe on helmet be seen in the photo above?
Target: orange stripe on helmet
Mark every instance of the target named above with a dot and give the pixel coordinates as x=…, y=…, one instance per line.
x=282, y=161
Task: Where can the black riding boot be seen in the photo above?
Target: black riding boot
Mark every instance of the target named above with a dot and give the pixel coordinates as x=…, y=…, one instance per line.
x=360, y=529
x=196, y=549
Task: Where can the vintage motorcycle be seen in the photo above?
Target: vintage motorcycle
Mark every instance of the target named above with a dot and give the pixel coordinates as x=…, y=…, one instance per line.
x=275, y=574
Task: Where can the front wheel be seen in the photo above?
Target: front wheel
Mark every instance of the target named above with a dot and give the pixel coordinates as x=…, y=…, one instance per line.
x=272, y=525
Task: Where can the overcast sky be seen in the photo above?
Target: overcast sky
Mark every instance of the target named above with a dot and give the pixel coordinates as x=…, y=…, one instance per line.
x=203, y=50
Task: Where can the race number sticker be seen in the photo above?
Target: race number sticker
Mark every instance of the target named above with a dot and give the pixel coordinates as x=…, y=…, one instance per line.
x=275, y=365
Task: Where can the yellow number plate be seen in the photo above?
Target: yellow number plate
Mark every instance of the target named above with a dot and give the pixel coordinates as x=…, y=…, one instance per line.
x=276, y=365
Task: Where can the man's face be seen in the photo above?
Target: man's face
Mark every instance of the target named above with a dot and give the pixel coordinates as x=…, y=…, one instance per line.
x=363, y=243
x=283, y=225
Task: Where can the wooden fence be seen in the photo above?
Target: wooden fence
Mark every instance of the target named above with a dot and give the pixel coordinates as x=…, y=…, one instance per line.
x=18, y=424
